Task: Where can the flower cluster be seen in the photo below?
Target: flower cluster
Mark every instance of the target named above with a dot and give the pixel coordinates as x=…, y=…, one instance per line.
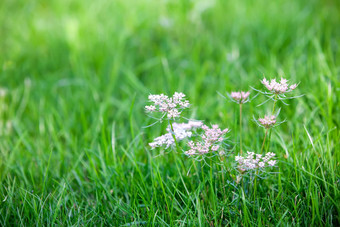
x=255, y=161
x=211, y=139
x=268, y=121
x=172, y=106
x=180, y=130
x=240, y=97
x=278, y=87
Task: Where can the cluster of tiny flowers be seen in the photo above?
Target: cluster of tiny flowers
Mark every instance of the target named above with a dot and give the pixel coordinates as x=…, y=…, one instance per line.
x=278, y=87
x=211, y=139
x=255, y=161
x=181, y=131
x=267, y=121
x=169, y=105
x=240, y=97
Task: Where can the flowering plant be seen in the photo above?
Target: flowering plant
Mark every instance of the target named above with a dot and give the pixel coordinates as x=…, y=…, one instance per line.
x=278, y=88
x=255, y=161
x=211, y=139
x=276, y=91
x=207, y=142
x=171, y=107
x=239, y=97
x=181, y=131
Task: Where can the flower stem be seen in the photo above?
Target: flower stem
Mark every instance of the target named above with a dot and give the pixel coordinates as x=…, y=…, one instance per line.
x=241, y=128
x=173, y=135
x=270, y=133
x=197, y=171
x=223, y=183
x=264, y=140
x=275, y=101
x=255, y=186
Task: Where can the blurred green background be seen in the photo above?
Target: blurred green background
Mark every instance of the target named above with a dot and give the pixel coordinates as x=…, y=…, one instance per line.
x=84, y=54
x=77, y=71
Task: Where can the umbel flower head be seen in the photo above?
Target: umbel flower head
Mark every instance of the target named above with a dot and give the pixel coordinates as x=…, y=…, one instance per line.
x=172, y=106
x=277, y=90
x=211, y=139
x=181, y=131
x=255, y=161
x=240, y=97
x=268, y=121
x=281, y=87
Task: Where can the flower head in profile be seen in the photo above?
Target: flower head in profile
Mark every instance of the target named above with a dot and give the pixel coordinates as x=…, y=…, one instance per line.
x=254, y=161
x=240, y=97
x=171, y=106
x=211, y=139
x=267, y=121
x=278, y=88
x=180, y=130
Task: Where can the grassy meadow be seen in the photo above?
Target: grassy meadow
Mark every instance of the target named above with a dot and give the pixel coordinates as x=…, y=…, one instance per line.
x=75, y=77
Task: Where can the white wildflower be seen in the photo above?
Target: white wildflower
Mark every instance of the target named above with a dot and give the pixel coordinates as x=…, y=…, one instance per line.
x=281, y=87
x=254, y=161
x=172, y=106
x=210, y=141
x=240, y=97
x=181, y=131
x=267, y=121
x=272, y=162
x=150, y=108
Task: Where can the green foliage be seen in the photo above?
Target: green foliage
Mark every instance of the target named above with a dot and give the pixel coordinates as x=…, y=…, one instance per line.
x=77, y=74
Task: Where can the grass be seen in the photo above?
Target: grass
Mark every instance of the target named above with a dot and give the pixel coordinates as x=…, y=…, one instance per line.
x=77, y=74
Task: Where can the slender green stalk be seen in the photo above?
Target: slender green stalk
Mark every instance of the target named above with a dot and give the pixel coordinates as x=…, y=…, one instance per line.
x=223, y=183
x=255, y=186
x=264, y=140
x=196, y=169
x=270, y=132
x=173, y=135
x=241, y=128
x=177, y=146
x=275, y=101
